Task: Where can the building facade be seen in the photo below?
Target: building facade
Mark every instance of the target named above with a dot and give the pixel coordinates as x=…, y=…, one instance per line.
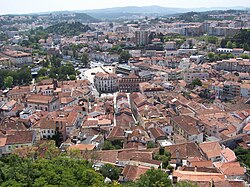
x=106, y=82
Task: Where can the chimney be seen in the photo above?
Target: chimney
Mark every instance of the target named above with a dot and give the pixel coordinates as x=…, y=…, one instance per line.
x=195, y=169
x=212, y=183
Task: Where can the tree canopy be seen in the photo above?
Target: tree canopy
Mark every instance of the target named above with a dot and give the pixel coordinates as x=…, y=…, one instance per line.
x=154, y=178
x=68, y=29
x=111, y=145
x=59, y=71
x=241, y=40
x=124, y=57
x=243, y=155
x=110, y=171
x=196, y=82
x=85, y=59
x=8, y=81
x=57, y=171
x=20, y=77
x=163, y=156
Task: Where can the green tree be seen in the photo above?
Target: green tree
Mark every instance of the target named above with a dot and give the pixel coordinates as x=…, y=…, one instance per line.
x=242, y=39
x=55, y=61
x=224, y=56
x=124, y=57
x=234, y=45
x=245, y=56
x=20, y=77
x=58, y=137
x=107, y=145
x=230, y=55
x=42, y=72
x=68, y=29
x=72, y=77
x=246, y=47
x=45, y=63
x=212, y=39
x=186, y=184
x=24, y=75
x=129, y=184
x=85, y=59
x=243, y=155
x=118, y=144
x=8, y=81
x=229, y=45
x=110, y=171
x=196, y=82
x=163, y=156
x=223, y=43
x=55, y=171
x=150, y=145
x=155, y=178
x=115, y=49
x=211, y=57
x=75, y=53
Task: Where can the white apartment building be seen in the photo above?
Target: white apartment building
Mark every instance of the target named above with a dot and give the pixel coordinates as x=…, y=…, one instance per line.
x=106, y=82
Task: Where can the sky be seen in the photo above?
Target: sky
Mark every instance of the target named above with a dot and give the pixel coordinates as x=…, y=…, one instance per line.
x=32, y=6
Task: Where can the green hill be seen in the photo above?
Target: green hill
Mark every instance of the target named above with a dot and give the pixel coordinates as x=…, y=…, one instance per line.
x=68, y=29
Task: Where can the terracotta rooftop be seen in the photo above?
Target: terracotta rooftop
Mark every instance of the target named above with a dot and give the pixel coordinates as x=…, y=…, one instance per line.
x=116, y=133
x=130, y=155
x=184, y=150
x=202, y=163
x=20, y=90
x=247, y=127
x=187, y=123
x=157, y=132
x=211, y=149
x=82, y=147
x=226, y=168
x=197, y=176
x=42, y=99
x=3, y=140
x=229, y=155
x=105, y=75
x=132, y=173
x=12, y=124
x=20, y=137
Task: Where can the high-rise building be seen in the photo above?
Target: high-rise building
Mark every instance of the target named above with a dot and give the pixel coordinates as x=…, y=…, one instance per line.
x=141, y=37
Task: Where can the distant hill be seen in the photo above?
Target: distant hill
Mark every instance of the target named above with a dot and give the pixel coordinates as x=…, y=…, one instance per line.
x=70, y=15
x=68, y=29
x=128, y=11
x=82, y=17
x=202, y=16
x=51, y=18
x=147, y=10
x=140, y=10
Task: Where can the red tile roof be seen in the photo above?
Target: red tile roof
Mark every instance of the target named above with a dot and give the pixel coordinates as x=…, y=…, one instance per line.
x=133, y=173
x=20, y=137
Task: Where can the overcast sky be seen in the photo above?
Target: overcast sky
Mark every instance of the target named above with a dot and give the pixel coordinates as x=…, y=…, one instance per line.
x=31, y=6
